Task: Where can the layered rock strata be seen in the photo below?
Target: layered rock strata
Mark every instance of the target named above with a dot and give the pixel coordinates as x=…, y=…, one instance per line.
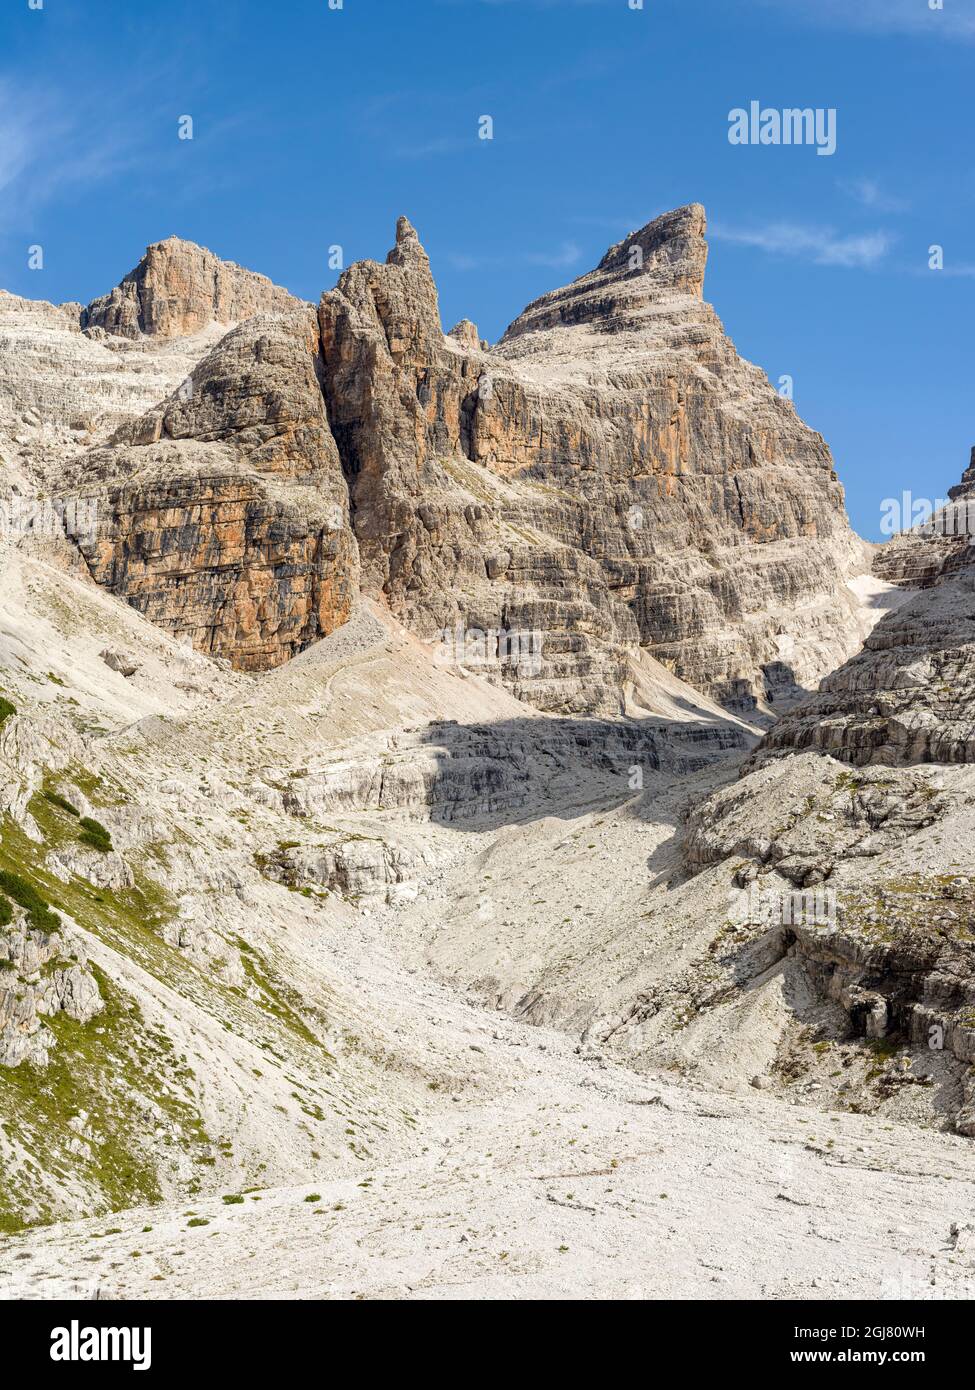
x=936, y=548
x=909, y=695
x=612, y=476
x=860, y=895
x=223, y=514
x=177, y=289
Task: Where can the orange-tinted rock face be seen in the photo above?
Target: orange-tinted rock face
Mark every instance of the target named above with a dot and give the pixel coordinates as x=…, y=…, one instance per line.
x=178, y=288
x=217, y=561
x=611, y=473
x=224, y=515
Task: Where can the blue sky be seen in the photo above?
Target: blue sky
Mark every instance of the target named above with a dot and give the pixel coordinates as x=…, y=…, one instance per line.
x=315, y=126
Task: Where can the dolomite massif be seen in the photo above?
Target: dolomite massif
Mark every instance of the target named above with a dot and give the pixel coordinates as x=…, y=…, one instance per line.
x=473, y=958
x=612, y=476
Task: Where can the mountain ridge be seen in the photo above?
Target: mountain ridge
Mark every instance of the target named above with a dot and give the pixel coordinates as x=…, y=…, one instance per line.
x=612, y=430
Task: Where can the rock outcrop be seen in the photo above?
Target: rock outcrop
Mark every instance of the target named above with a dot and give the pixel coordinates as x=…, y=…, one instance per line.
x=855, y=887
x=37, y=980
x=449, y=772
x=909, y=695
x=223, y=514
x=177, y=289
x=936, y=548
x=360, y=868
x=611, y=475
x=62, y=392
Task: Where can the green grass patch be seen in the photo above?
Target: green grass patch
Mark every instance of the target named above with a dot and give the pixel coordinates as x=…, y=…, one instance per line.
x=118, y=1067
x=93, y=833
x=276, y=996
x=26, y=896
x=110, y=1069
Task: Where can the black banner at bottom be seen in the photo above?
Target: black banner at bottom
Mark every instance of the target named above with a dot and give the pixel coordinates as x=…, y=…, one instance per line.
x=169, y=1339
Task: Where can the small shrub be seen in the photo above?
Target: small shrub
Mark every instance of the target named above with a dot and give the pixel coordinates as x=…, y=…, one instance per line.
x=93, y=833
x=6, y=709
x=26, y=895
x=56, y=799
x=232, y=1201
x=313, y=1197
x=6, y=914
x=198, y=1221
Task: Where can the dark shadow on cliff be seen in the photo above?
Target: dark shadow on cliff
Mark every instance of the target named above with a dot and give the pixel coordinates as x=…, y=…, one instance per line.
x=520, y=770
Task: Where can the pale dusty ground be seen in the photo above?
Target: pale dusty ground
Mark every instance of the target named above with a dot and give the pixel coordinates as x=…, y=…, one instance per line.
x=582, y=1182
x=494, y=1159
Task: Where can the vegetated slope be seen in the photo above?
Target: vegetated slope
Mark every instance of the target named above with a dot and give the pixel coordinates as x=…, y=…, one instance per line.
x=292, y=1104
x=233, y=1030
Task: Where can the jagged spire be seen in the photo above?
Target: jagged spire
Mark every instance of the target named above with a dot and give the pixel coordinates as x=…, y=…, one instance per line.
x=966, y=488
x=408, y=249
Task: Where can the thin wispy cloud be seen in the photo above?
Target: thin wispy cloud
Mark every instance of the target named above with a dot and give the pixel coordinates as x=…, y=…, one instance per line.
x=956, y=20
x=562, y=257
x=390, y=125
x=15, y=142
x=462, y=260
x=820, y=245
x=429, y=149
x=567, y=255
x=52, y=145
x=62, y=148
x=869, y=194
x=964, y=270
x=46, y=150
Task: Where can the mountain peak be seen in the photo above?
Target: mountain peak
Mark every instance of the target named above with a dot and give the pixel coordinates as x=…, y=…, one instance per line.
x=671, y=246
x=966, y=488
x=178, y=288
x=664, y=260
x=408, y=249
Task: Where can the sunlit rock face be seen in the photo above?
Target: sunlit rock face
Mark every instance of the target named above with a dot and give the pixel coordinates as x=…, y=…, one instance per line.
x=933, y=544
x=611, y=476
x=178, y=288
x=224, y=512
x=612, y=473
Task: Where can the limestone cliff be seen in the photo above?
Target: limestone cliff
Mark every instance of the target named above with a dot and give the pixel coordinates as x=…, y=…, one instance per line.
x=223, y=513
x=611, y=478
x=937, y=547
x=612, y=475
x=909, y=695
